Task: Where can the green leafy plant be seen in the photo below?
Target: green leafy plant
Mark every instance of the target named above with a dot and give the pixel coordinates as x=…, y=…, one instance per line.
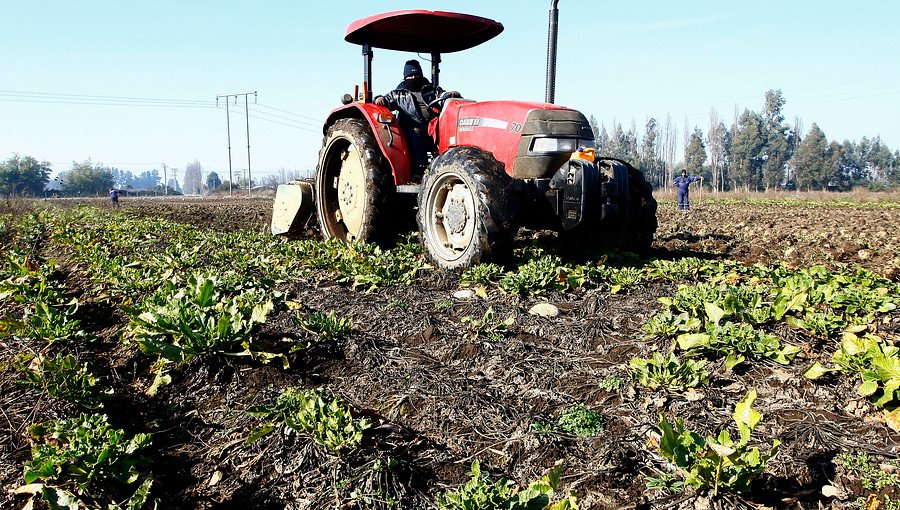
x=581, y=421
x=481, y=274
x=536, y=276
x=668, y=372
x=667, y=325
x=876, y=362
x=62, y=376
x=870, y=473
x=666, y=483
x=720, y=463
x=612, y=382
x=737, y=341
x=198, y=317
x=687, y=268
x=26, y=281
x=620, y=278
x=443, y=305
x=47, y=323
x=489, y=325
x=326, y=326
x=327, y=420
x=479, y=493
x=363, y=265
x=84, y=461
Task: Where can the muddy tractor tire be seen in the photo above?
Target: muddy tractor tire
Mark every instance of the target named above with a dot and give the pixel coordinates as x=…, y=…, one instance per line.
x=634, y=226
x=640, y=221
x=467, y=209
x=353, y=184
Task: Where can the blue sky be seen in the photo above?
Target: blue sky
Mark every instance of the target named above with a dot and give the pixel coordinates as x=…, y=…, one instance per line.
x=837, y=63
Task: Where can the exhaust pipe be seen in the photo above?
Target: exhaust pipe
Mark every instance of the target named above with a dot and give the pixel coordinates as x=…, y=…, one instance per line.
x=551, y=52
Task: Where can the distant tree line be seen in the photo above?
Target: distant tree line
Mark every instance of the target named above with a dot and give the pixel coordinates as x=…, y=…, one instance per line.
x=759, y=151
x=23, y=176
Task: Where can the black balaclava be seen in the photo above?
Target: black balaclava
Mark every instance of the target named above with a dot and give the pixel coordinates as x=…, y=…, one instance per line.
x=412, y=76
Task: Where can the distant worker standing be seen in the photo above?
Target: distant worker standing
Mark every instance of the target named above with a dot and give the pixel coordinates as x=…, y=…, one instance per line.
x=682, y=182
x=114, y=196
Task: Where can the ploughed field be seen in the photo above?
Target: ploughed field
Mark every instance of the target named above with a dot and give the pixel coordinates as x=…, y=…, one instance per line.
x=171, y=352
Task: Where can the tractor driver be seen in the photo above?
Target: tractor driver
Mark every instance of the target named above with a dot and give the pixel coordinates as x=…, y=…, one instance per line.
x=411, y=99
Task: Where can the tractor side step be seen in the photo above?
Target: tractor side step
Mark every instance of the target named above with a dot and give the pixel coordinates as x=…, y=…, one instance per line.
x=409, y=188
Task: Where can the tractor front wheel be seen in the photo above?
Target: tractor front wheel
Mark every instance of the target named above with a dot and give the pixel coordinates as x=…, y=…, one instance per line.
x=466, y=209
x=352, y=184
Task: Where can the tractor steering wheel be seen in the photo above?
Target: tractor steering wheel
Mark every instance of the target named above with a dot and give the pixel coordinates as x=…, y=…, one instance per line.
x=442, y=99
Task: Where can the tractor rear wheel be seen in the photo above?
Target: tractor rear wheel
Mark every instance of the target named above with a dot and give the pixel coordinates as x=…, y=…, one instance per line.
x=466, y=209
x=353, y=184
x=634, y=226
x=640, y=223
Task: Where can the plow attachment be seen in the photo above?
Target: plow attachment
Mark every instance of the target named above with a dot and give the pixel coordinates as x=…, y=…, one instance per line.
x=293, y=206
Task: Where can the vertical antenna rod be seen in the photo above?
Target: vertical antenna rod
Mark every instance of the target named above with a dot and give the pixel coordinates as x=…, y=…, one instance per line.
x=551, y=52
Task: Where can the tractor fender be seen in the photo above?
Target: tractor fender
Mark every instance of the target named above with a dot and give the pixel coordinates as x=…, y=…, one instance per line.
x=386, y=129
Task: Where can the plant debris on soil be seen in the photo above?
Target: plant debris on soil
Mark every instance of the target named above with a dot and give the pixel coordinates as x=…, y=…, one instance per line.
x=445, y=369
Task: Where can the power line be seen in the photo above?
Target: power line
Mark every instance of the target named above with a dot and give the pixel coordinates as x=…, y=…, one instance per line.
x=291, y=113
x=25, y=96
x=295, y=121
x=94, y=103
x=288, y=124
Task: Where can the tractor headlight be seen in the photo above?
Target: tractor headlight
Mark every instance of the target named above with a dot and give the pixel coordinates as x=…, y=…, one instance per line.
x=559, y=145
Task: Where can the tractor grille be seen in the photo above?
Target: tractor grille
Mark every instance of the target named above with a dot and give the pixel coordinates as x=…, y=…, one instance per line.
x=548, y=123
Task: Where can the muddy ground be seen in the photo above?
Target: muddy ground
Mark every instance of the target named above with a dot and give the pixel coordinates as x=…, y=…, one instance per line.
x=439, y=399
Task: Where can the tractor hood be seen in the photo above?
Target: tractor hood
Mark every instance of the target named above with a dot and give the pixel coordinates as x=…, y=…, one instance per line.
x=422, y=31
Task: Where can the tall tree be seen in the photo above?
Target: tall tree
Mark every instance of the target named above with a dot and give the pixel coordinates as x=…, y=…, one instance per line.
x=86, y=178
x=670, y=146
x=615, y=146
x=602, y=139
x=777, y=148
x=193, y=178
x=745, y=157
x=122, y=178
x=812, y=161
x=650, y=164
x=631, y=153
x=695, y=153
x=849, y=168
x=715, y=139
x=23, y=175
x=148, y=179
x=595, y=128
x=213, y=181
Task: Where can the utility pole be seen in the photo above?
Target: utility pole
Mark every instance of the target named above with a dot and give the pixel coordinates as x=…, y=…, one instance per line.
x=165, y=180
x=228, y=129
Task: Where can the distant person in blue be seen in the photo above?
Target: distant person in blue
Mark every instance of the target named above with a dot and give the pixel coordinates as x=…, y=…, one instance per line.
x=114, y=196
x=682, y=182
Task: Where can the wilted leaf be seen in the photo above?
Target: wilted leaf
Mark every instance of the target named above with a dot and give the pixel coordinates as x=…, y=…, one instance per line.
x=892, y=419
x=816, y=371
x=732, y=360
x=714, y=313
x=867, y=388
x=721, y=451
x=689, y=341
x=745, y=416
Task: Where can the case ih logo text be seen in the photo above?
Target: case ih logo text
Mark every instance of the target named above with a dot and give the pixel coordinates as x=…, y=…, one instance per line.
x=468, y=123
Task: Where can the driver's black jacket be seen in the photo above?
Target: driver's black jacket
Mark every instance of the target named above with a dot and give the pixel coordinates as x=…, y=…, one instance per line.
x=413, y=105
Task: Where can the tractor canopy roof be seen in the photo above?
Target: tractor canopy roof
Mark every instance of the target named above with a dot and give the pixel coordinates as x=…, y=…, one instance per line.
x=422, y=31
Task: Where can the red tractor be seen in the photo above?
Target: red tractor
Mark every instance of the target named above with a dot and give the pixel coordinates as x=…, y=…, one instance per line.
x=494, y=165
